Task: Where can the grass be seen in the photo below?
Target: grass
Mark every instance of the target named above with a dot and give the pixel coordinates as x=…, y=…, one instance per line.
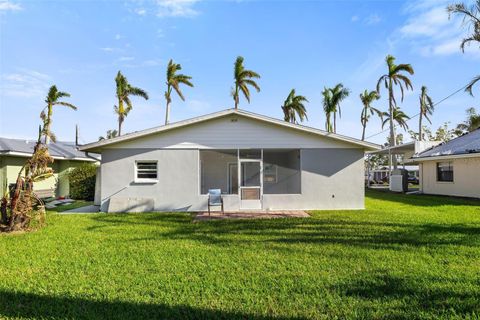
x=404, y=257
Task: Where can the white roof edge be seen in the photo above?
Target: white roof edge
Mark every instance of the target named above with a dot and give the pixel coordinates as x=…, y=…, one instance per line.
x=25, y=154
x=179, y=124
x=446, y=157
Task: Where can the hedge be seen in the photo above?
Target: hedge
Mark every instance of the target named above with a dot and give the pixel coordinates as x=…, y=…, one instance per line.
x=82, y=182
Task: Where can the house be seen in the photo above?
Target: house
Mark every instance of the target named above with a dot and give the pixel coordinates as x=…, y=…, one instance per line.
x=452, y=168
x=258, y=162
x=14, y=153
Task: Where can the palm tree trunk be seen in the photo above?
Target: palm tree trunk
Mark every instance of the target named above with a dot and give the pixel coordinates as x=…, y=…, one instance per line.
x=364, y=123
x=167, y=109
x=392, y=132
x=119, y=126
x=235, y=97
x=335, y=122
x=47, y=124
x=120, y=116
x=420, y=134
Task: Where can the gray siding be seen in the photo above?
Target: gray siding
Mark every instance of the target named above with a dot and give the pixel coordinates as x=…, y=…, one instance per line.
x=331, y=178
x=232, y=132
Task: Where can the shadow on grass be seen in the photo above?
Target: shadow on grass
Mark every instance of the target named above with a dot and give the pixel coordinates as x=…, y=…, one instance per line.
x=29, y=305
x=421, y=200
x=437, y=299
x=331, y=230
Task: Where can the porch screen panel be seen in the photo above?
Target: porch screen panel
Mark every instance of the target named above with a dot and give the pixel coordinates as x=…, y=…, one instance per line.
x=281, y=172
x=218, y=170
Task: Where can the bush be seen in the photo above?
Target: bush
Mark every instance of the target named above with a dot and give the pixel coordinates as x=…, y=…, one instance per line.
x=82, y=182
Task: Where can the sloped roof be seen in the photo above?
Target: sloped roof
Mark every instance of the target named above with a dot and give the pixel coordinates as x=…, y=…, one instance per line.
x=468, y=144
x=131, y=136
x=58, y=150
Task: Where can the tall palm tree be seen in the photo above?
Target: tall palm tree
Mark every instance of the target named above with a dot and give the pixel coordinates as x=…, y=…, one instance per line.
x=426, y=109
x=173, y=82
x=399, y=117
x=293, y=107
x=471, y=17
x=472, y=122
x=328, y=108
x=367, y=98
x=331, y=104
x=124, y=91
x=243, y=78
x=395, y=76
x=52, y=99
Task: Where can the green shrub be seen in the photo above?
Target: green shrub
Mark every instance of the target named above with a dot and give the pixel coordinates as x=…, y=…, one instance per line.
x=82, y=182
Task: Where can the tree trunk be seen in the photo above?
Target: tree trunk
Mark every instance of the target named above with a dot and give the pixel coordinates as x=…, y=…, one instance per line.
x=364, y=123
x=335, y=122
x=235, y=97
x=167, y=112
x=392, y=159
x=420, y=134
x=119, y=126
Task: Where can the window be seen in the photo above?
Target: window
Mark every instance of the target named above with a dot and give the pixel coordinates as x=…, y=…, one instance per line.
x=281, y=171
x=445, y=171
x=219, y=170
x=250, y=154
x=146, y=171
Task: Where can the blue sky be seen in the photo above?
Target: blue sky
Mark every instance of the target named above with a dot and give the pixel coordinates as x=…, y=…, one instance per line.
x=306, y=45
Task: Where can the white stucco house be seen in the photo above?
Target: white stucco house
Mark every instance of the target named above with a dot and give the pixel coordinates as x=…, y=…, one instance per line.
x=257, y=162
x=451, y=168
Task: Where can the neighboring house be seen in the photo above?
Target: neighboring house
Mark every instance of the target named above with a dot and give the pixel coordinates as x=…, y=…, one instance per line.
x=452, y=168
x=14, y=153
x=258, y=162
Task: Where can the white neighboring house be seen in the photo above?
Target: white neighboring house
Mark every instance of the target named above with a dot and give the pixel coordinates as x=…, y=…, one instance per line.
x=258, y=162
x=452, y=168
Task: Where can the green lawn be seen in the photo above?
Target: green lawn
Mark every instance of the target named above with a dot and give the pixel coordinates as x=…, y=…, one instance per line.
x=405, y=257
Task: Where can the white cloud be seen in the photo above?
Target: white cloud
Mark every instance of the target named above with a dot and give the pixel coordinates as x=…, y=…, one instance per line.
x=25, y=83
x=140, y=11
x=354, y=18
x=373, y=19
x=176, y=8
x=126, y=58
x=6, y=5
x=118, y=37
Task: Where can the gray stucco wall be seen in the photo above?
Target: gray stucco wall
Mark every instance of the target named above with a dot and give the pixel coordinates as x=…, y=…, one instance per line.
x=331, y=178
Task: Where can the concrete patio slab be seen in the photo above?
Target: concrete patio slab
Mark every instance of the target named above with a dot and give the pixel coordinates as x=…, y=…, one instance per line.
x=86, y=209
x=204, y=216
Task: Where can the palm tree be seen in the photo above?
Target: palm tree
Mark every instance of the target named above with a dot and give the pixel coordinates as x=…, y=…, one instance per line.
x=124, y=91
x=293, y=107
x=471, y=16
x=52, y=99
x=110, y=134
x=328, y=108
x=400, y=118
x=472, y=122
x=395, y=76
x=331, y=104
x=173, y=82
x=426, y=109
x=367, y=98
x=243, y=79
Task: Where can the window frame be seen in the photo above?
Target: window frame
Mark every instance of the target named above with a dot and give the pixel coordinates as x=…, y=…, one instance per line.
x=450, y=165
x=145, y=180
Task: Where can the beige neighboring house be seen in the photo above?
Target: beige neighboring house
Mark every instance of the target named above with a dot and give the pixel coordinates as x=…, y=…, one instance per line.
x=452, y=168
x=257, y=162
x=14, y=153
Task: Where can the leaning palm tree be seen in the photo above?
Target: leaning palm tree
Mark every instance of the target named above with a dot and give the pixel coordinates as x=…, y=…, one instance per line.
x=124, y=91
x=395, y=76
x=471, y=17
x=293, y=107
x=173, y=82
x=426, y=109
x=52, y=99
x=243, y=78
x=367, y=98
x=397, y=116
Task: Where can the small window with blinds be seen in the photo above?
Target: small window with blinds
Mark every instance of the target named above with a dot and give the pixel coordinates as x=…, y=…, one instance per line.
x=146, y=171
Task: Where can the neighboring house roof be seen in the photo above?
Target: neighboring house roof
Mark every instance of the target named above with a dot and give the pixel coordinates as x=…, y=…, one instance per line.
x=467, y=145
x=58, y=150
x=130, y=136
